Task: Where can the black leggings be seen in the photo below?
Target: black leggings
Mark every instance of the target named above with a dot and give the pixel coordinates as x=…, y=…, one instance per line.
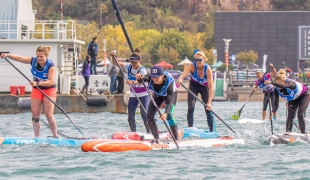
x=191, y=100
x=86, y=81
x=120, y=84
x=170, y=118
x=300, y=104
x=266, y=100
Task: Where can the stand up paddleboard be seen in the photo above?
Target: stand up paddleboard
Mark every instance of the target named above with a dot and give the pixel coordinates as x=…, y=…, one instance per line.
x=184, y=133
x=49, y=141
x=123, y=145
x=251, y=121
x=286, y=138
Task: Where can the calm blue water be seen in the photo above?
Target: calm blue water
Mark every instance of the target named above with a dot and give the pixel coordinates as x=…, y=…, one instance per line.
x=255, y=160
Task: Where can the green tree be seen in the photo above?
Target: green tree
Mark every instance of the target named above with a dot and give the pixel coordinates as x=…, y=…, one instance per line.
x=223, y=67
x=247, y=57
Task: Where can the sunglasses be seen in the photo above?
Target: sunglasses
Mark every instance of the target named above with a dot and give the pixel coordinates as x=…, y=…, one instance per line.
x=197, y=60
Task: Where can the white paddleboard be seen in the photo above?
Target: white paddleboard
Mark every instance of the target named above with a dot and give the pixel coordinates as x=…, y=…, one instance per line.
x=251, y=121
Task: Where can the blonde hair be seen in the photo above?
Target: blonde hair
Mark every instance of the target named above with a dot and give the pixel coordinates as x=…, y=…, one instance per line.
x=200, y=53
x=281, y=75
x=45, y=49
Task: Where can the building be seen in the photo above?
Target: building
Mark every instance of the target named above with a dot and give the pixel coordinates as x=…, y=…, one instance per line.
x=21, y=34
x=277, y=34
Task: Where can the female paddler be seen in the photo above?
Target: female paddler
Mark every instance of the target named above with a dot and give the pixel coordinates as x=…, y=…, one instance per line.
x=201, y=81
x=266, y=88
x=44, y=72
x=133, y=68
x=297, y=96
x=164, y=90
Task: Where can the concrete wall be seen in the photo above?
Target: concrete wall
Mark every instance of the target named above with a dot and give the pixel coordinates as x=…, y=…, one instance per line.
x=9, y=105
x=272, y=33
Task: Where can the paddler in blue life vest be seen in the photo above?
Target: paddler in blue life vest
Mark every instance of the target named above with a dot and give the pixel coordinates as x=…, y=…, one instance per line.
x=297, y=96
x=44, y=72
x=164, y=90
x=201, y=81
x=266, y=88
x=133, y=68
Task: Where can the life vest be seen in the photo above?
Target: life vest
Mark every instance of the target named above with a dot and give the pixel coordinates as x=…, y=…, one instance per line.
x=263, y=86
x=138, y=88
x=40, y=75
x=292, y=94
x=163, y=90
x=195, y=78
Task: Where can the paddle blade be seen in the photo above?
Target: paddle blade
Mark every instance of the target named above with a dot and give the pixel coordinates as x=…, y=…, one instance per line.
x=237, y=115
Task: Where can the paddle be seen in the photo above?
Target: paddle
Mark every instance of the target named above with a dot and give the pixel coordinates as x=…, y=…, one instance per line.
x=45, y=95
x=118, y=15
x=206, y=106
x=237, y=115
x=270, y=115
x=65, y=136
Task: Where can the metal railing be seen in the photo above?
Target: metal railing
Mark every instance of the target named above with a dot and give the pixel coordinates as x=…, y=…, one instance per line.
x=39, y=29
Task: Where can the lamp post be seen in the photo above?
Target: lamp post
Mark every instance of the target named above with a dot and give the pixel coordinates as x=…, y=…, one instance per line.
x=104, y=54
x=226, y=52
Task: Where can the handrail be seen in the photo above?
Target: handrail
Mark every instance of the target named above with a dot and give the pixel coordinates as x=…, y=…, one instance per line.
x=39, y=29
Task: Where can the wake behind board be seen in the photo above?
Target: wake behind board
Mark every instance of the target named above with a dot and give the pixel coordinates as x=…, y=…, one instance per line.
x=41, y=141
x=184, y=133
x=286, y=138
x=129, y=145
x=251, y=121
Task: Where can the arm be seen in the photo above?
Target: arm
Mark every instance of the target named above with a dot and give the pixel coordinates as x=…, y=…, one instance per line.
x=289, y=84
x=51, y=76
x=186, y=71
x=114, y=62
x=170, y=98
x=84, y=67
x=22, y=59
x=210, y=86
x=273, y=72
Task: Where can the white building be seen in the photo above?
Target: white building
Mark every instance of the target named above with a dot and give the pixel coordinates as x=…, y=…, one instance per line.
x=21, y=34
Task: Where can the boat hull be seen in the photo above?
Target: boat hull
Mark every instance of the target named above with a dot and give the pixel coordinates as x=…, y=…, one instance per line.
x=130, y=145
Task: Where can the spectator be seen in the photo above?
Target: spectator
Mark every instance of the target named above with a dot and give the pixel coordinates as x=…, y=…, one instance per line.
x=120, y=81
x=112, y=72
x=86, y=74
x=93, y=52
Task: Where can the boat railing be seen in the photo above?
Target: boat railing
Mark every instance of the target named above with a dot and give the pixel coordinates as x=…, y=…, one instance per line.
x=39, y=29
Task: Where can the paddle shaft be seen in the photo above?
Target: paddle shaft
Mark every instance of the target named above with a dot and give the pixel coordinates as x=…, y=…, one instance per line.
x=45, y=96
x=270, y=115
x=206, y=106
x=63, y=135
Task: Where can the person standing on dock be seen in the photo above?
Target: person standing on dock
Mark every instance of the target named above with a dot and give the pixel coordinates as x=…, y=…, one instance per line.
x=164, y=90
x=44, y=72
x=133, y=68
x=93, y=52
x=297, y=96
x=201, y=81
x=86, y=74
x=266, y=88
x=112, y=72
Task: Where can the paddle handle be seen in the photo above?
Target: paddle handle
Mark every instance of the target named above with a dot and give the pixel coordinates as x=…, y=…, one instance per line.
x=206, y=106
x=270, y=116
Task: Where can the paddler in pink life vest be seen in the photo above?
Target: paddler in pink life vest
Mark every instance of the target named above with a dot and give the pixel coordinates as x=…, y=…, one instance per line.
x=297, y=96
x=266, y=88
x=201, y=81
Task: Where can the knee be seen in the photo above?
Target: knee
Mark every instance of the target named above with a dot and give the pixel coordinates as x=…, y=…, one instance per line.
x=49, y=116
x=35, y=120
